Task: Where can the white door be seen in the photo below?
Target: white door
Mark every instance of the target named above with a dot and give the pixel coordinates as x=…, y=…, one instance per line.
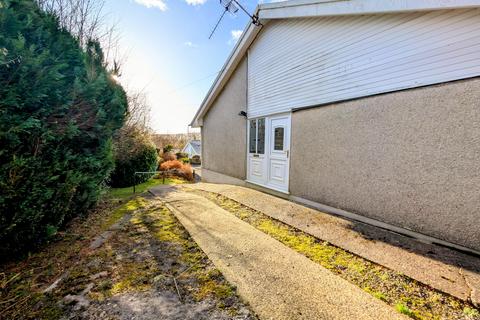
x=278, y=154
x=268, y=152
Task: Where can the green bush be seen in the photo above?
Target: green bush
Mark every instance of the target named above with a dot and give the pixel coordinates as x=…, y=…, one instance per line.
x=167, y=148
x=59, y=109
x=181, y=155
x=134, y=152
x=196, y=160
x=185, y=160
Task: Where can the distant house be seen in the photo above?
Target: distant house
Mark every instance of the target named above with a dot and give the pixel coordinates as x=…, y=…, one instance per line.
x=193, y=148
x=368, y=106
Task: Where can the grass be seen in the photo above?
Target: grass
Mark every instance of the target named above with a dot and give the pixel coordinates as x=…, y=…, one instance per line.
x=473, y=313
x=406, y=295
x=123, y=193
x=403, y=309
x=145, y=254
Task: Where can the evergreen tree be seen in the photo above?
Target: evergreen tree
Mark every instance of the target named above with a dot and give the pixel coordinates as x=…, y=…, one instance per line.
x=59, y=108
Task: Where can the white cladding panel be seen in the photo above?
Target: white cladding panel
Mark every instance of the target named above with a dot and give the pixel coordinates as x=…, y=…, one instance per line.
x=305, y=62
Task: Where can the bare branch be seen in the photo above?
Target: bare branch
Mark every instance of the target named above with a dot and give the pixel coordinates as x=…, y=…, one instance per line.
x=138, y=110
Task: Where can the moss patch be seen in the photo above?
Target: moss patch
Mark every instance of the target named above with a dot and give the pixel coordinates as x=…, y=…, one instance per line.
x=194, y=273
x=211, y=284
x=405, y=310
x=472, y=313
x=118, y=213
x=144, y=255
x=408, y=296
x=134, y=276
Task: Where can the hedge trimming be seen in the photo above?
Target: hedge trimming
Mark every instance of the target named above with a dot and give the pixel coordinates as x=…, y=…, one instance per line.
x=59, y=109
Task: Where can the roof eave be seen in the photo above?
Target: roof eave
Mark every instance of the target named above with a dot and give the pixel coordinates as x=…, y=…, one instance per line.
x=324, y=8
x=313, y=8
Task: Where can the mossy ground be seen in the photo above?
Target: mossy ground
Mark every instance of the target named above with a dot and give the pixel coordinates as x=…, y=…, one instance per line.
x=406, y=295
x=150, y=253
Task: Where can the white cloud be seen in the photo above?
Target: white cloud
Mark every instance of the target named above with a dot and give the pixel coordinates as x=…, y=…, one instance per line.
x=159, y=4
x=195, y=2
x=190, y=44
x=236, y=34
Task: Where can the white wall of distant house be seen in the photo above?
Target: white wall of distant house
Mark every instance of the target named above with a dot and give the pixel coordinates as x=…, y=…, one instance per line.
x=298, y=63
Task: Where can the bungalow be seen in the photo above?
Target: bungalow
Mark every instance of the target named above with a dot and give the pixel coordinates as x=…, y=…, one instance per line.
x=365, y=108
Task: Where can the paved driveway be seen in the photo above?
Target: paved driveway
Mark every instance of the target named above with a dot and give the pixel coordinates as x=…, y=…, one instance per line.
x=278, y=282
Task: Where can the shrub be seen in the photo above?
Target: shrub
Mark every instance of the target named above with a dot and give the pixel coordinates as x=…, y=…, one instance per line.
x=59, y=110
x=134, y=152
x=196, y=159
x=167, y=148
x=181, y=155
x=169, y=156
x=185, y=160
x=178, y=168
x=187, y=172
x=173, y=164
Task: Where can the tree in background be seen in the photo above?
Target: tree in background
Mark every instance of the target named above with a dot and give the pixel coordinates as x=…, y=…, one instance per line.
x=138, y=114
x=86, y=20
x=134, y=152
x=177, y=141
x=59, y=109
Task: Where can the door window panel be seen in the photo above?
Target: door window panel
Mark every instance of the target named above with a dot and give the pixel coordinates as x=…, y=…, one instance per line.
x=278, y=139
x=261, y=136
x=253, y=136
x=257, y=136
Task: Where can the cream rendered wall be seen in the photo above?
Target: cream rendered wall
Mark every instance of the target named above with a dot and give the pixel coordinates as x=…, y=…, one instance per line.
x=224, y=134
x=410, y=158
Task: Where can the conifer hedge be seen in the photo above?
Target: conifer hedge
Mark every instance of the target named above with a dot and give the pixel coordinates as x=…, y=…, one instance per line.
x=59, y=108
x=134, y=152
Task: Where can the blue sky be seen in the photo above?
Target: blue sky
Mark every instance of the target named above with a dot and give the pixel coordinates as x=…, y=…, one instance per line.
x=167, y=48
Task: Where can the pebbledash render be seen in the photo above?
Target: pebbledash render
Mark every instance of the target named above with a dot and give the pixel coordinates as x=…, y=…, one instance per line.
x=365, y=108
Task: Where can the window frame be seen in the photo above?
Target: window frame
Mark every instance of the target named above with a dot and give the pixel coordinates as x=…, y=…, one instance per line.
x=250, y=123
x=256, y=137
x=275, y=138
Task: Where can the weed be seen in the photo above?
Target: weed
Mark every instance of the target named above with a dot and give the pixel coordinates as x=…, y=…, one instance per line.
x=472, y=313
x=376, y=294
x=403, y=309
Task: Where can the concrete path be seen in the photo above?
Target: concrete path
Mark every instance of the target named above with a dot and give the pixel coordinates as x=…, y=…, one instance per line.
x=441, y=268
x=278, y=282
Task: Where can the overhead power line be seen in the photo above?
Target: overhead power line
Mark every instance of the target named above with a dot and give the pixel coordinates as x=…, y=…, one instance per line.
x=193, y=82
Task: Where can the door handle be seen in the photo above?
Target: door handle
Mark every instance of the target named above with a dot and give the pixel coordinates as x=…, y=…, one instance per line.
x=288, y=153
